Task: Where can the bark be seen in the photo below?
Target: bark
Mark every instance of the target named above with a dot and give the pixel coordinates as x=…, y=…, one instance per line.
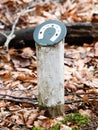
x=77, y=33
x=23, y=38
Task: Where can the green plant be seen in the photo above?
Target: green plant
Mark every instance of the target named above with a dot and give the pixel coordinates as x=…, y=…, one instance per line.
x=78, y=119
x=56, y=127
x=75, y=129
x=37, y=128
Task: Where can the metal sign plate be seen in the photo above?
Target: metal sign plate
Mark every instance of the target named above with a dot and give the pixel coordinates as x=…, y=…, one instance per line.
x=49, y=33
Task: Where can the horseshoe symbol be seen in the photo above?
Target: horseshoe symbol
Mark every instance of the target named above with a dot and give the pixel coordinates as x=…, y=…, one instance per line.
x=45, y=27
x=49, y=33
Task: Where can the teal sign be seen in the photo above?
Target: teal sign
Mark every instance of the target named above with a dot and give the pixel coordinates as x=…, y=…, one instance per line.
x=49, y=33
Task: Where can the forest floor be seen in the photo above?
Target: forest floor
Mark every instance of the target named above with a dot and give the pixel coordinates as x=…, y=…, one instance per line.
x=18, y=69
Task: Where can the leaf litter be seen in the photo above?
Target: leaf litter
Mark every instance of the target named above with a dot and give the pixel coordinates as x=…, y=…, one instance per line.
x=18, y=68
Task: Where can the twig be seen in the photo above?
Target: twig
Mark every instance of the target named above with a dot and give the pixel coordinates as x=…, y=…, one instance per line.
x=4, y=34
x=32, y=101
x=78, y=101
x=3, y=23
x=78, y=94
x=12, y=35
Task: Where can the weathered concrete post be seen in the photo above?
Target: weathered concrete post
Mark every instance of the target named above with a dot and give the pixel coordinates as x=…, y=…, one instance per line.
x=50, y=66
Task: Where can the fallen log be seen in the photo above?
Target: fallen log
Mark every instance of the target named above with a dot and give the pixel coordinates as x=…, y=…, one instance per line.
x=77, y=33
x=23, y=38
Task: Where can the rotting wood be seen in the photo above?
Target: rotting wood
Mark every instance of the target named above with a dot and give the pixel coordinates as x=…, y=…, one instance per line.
x=78, y=33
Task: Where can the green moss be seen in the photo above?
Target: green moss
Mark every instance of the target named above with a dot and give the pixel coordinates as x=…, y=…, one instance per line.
x=56, y=127
x=75, y=129
x=37, y=128
x=78, y=119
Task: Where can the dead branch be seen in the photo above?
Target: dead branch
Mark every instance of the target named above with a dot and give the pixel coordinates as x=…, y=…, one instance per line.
x=11, y=35
x=78, y=101
x=32, y=101
x=77, y=33
x=3, y=23
x=84, y=93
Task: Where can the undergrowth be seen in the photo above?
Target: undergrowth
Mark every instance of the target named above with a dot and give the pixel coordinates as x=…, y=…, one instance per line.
x=76, y=121
x=37, y=128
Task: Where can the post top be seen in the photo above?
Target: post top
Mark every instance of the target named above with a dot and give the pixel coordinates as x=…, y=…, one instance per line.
x=49, y=33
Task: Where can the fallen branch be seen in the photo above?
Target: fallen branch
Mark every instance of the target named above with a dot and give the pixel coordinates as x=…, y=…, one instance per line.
x=11, y=35
x=83, y=93
x=34, y=101
x=79, y=100
x=78, y=33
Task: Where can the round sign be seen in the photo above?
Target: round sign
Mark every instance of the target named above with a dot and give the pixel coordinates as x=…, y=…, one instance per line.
x=49, y=33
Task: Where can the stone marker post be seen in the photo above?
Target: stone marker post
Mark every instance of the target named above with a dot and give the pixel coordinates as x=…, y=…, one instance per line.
x=50, y=66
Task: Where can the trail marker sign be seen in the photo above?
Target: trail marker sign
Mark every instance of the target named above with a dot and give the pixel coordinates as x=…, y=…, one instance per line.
x=49, y=33
x=49, y=37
